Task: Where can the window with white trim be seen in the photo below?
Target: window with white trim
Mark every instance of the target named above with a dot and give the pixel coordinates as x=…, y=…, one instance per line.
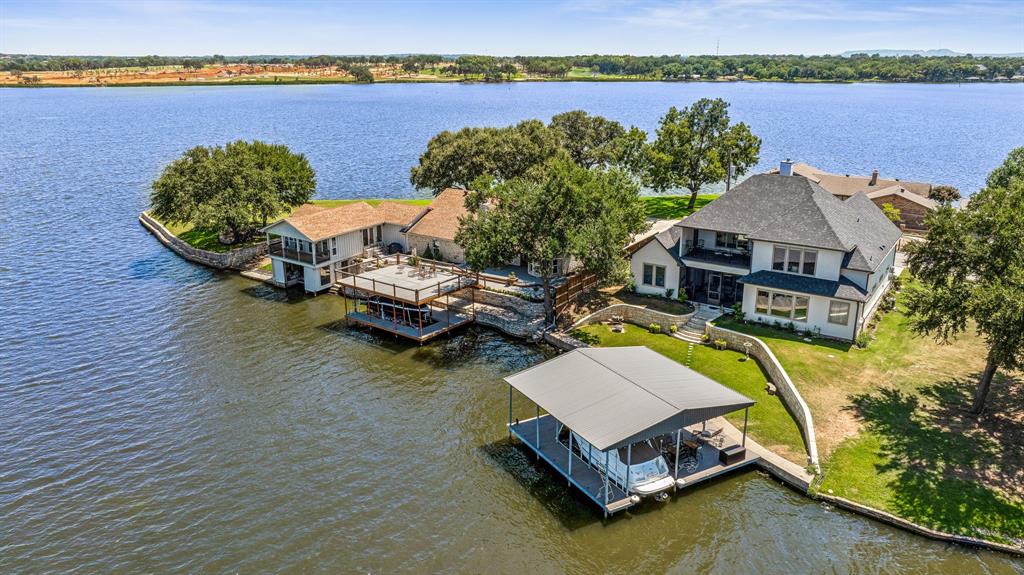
x=794, y=260
x=839, y=312
x=654, y=275
x=782, y=305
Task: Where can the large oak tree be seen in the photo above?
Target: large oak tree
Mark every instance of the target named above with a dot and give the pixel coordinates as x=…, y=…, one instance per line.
x=970, y=273
x=232, y=189
x=697, y=146
x=558, y=209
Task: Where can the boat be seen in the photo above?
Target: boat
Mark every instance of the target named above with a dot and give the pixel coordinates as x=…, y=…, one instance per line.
x=404, y=313
x=645, y=468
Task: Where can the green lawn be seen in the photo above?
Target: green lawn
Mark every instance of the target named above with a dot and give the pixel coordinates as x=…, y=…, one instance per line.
x=673, y=207
x=770, y=424
x=893, y=431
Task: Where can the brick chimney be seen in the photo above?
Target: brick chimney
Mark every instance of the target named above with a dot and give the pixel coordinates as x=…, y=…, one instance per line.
x=874, y=178
x=786, y=167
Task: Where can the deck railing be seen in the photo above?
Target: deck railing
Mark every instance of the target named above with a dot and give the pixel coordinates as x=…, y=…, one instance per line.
x=277, y=248
x=349, y=276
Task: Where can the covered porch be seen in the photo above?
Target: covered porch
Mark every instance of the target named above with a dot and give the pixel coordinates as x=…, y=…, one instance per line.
x=713, y=287
x=594, y=406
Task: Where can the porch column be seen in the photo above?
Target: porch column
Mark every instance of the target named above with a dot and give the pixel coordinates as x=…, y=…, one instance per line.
x=606, y=480
x=745, y=413
x=570, y=454
x=629, y=461
x=679, y=436
x=536, y=425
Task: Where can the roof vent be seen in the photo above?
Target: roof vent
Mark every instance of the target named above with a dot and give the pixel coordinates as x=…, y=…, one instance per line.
x=786, y=167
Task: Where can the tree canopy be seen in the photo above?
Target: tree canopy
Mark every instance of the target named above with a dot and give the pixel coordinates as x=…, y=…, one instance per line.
x=232, y=189
x=558, y=209
x=944, y=194
x=970, y=272
x=697, y=146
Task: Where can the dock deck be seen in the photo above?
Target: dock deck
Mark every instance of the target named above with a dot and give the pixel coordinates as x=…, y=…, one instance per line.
x=591, y=482
x=445, y=321
x=396, y=278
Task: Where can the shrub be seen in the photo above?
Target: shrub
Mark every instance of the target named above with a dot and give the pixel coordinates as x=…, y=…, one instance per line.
x=682, y=297
x=791, y=327
x=705, y=338
x=669, y=292
x=654, y=328
x=863, y=339
x=512, y=278
x=721, y=343
x=673, y=328
x=897, y=283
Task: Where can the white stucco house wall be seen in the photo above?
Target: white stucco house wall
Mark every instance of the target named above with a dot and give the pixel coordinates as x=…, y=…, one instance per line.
x=783, y=248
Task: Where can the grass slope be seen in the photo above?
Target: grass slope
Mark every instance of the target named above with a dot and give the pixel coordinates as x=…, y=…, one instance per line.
x=894, y=433
x=770, y=424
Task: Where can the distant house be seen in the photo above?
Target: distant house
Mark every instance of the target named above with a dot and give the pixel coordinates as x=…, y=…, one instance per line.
x=311, y=245
x=910, y=198
x=782, y=246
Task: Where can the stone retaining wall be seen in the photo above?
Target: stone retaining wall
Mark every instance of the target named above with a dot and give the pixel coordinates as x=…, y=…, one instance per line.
x=914, y=527
x=636, y=315
x=238, y=259
x=778, y=376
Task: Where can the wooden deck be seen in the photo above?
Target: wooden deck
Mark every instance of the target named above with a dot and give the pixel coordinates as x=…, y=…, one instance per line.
x=445, y=321
x=591, y=482
x=394, y=278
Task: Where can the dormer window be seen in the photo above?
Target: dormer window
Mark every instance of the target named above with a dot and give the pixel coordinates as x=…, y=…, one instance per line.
x=794, y=260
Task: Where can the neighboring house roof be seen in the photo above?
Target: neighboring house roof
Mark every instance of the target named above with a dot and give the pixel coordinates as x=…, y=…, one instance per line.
x=797, y=211
x=842, y=289
x=317, y=223
x=904, y=193
x=442, y=220
x=666, y=232
x=399, y=214
x=847, y=185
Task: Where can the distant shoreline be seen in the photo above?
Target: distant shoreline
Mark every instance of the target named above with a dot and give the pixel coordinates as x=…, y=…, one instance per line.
x=597, y=80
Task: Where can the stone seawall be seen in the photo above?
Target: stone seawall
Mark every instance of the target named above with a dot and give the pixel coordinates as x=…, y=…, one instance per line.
x=636, y=315
x=238, y=259
x=778, y=376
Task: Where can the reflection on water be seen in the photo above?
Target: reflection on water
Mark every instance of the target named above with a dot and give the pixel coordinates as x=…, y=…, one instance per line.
x=161, y=417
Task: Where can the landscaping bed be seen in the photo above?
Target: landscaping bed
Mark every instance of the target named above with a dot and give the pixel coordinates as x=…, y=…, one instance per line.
x=894, y=432
x=770, y=424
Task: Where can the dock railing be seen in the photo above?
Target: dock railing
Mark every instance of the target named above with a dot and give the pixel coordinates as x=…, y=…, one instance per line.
x=349, y=276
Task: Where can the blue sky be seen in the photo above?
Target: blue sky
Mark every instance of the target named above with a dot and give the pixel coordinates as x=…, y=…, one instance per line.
x=201, y=27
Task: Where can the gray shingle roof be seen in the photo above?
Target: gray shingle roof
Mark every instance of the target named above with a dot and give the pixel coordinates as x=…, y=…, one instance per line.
x=795, y=210
x=842, y=289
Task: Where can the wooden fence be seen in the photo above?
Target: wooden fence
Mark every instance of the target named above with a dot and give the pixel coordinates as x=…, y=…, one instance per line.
x=575, y=286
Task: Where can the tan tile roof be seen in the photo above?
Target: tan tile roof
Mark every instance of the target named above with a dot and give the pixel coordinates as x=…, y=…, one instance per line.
x=399, y=214
x=846, y=185
x=902, y=192
x=324, y=223
x=442, y=221
x=318, y=222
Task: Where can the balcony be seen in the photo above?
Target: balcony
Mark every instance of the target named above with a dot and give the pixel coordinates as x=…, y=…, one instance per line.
x=726, y=258
x=276, y=248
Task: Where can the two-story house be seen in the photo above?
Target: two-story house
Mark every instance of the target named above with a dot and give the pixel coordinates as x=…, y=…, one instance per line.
x=309, y=246
x=783, y=246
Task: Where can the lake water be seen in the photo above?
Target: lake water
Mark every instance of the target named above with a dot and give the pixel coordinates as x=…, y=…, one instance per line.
x=156, y=416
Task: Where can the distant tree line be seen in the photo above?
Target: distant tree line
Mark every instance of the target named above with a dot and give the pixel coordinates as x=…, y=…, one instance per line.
x=777, y=67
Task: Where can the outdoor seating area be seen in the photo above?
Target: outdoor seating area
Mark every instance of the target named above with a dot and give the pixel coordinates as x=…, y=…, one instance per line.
x=603, y=405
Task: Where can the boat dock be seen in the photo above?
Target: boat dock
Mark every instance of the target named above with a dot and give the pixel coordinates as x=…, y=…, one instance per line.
x=618, y=398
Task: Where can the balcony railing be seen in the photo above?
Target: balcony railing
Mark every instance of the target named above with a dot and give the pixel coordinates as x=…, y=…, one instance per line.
x=278, y=249
x=719, y=257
